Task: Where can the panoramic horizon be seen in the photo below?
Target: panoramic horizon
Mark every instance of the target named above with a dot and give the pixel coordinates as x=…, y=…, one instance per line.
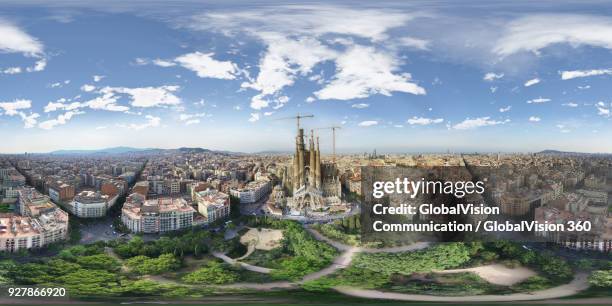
x=71, y=150
x=305, y=152
x=409, y=77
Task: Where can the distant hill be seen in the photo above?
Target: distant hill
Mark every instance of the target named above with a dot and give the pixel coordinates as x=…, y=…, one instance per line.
x=124, y=150
x=114, y=150
x=193, y=150
x=557, y=152
x=270, y=152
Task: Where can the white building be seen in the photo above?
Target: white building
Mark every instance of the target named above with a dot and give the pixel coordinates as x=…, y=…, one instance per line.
x=156, y=215
x=90, y=204
x=253, y=191
x=213, y=205
x=40, y=223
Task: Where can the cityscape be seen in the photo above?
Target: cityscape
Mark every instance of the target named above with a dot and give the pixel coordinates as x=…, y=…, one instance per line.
x=227, y=153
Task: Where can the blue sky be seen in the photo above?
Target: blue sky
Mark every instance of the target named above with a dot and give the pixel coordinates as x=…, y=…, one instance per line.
x=398, y=77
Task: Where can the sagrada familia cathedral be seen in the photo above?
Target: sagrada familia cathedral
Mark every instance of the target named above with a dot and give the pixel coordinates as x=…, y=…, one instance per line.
x=314, y=186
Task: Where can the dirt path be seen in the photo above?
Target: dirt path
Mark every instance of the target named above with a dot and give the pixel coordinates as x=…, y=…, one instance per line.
x=340, y=262
x=578, y=284
x=345, y=247
x=242, y=264
x=497, y=274
x=110, y=252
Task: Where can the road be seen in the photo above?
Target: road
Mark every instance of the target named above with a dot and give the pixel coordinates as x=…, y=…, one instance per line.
x=97, y=230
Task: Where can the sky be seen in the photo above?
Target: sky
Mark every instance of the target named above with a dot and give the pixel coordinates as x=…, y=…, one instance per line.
x=397, y=76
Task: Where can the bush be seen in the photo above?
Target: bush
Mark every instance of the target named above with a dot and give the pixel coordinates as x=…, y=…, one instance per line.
x=99, y=262
x=145, y=265
x=533, y=283
x=602, y=279
x=439, y=257
x=213, y=274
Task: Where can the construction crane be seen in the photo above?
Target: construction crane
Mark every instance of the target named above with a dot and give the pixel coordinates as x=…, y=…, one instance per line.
x=298, y=117
x=333, y=128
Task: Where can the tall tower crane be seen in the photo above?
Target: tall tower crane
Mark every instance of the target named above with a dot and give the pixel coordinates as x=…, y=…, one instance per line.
x=297, y=117
x=333, y=128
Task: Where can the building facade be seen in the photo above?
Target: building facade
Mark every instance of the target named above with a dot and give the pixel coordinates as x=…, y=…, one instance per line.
x=39, y=223
x=157, y=215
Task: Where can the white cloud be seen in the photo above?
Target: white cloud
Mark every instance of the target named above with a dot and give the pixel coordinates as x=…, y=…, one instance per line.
x=360, y=105
x=413, y=42
x=60, y=120
x=88, y=88
x=254, y=117
x=139, y=61
x=537, y=31
x=293, y=38
x=568, y=75
x=29, y=121
x=570, y=104
x=268, y=114
x=584, y=87
x=204, y=65
x=147, y=96
x=152, y=121
x=368, y=123
x=237, y=107
x=191, y=117
x=313, y=20
x=163, y=63
x=98, y=78
x=424, y=121
x=505, y=109
x=491, y=76
x=16, y=108
x=538, y=100
x=364, y=71
x=534, y=119
x=107, y=101
x=15, y=40
x=603, y=109
x=62, y=105
x=39, y=65
x=283, y=61
x=532, y=82
x=562, y=128
x=12, y=70
x=310, y=99
x=280, y=102
x=257, y=102
x=12, y=108
x=469, y=124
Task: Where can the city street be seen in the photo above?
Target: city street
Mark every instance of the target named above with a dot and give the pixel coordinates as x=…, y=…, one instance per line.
x=97, y=230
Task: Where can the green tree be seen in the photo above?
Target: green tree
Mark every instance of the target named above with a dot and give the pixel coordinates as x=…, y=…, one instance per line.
x=601, y=278
x=213, y=273
x=99, y=262
x=146, y=265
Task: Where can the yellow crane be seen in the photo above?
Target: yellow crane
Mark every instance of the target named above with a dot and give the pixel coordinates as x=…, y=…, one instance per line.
x=333, y=128
x=297, y=117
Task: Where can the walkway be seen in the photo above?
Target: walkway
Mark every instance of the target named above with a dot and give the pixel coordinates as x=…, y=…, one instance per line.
x=344, y=247
x=242, y=264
